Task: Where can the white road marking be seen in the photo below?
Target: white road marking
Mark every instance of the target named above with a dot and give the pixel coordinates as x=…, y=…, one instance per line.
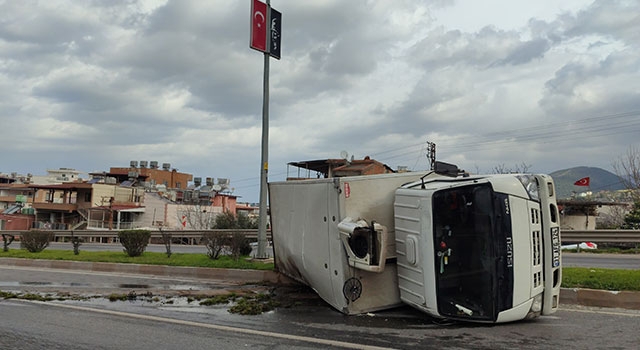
x=603, y=312
x=327, y=342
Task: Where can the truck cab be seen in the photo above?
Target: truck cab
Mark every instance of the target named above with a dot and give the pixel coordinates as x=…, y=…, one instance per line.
x=479, y=248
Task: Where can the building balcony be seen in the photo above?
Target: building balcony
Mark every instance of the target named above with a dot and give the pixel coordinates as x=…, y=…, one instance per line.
x=66, y=207
x=8, y=199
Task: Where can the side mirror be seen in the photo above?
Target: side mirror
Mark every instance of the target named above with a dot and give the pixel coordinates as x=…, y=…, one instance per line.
x=446, y=169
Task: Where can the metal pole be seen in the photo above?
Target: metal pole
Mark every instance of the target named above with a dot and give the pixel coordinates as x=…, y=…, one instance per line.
x=264, y=161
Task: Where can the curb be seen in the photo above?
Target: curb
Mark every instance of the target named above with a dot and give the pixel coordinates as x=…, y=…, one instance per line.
x=600, y=298
x=232, y=275
x=575, y=296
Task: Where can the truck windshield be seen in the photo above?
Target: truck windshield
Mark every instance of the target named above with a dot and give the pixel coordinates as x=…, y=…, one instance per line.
x=470, y=224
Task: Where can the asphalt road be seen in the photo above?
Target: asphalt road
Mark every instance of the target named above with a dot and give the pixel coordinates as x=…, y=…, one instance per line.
x=38, y=326
x=169, y=321
x=607, y=261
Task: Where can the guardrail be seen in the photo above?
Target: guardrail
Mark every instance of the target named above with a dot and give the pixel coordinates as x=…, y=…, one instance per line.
x=600, y=236
x=567, y=236
x=107, y=236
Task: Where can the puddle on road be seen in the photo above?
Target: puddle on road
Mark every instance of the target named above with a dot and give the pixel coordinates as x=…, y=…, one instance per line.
x=133, y=286
x=9, y=284
x=173, y=287
x=36, y=283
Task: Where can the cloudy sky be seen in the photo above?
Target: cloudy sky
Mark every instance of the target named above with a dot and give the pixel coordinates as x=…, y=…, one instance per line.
x=95, y=84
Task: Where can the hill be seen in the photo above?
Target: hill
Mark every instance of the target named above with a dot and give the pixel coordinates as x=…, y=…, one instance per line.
x=600, y=180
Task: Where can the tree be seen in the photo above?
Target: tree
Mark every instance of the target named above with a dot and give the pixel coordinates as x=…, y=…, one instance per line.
x=166, y=240
x=228, y=220
x=238, y=244
x=627, y=168
x=632, y=219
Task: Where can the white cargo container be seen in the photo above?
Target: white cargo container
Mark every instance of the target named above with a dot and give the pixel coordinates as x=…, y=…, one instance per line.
x=479, y=248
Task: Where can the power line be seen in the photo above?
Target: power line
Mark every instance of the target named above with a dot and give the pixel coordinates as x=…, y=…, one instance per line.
x=551, y=132
x=555, y=132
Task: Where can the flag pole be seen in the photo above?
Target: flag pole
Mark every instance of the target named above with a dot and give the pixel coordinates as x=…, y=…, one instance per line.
x=264, y=160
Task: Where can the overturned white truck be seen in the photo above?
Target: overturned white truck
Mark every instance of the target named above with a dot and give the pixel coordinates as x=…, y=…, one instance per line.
x=474, y=248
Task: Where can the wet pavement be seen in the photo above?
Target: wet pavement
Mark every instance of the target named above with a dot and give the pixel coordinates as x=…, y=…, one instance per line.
x=178, y=298
x=73, y=277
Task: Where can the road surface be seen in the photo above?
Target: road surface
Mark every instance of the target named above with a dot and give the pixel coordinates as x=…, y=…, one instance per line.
x=172, y=322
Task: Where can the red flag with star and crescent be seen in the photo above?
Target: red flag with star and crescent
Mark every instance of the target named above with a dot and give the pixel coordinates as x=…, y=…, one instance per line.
x=582, y=182
x=259, y=26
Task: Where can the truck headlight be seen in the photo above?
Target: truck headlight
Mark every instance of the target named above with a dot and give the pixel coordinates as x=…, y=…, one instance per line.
x=530, y=185
x=536, y=307
x=537, y=303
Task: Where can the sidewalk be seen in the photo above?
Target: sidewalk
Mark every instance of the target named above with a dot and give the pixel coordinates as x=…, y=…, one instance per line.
x=575, y=296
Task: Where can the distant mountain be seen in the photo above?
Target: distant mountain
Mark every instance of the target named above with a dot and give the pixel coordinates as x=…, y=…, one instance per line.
x=600, y=180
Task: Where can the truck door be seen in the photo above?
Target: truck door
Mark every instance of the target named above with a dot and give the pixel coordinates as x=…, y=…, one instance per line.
x=300, y=232
x=317, y=225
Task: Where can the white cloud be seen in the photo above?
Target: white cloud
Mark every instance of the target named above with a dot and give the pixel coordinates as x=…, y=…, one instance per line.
x=91, y=85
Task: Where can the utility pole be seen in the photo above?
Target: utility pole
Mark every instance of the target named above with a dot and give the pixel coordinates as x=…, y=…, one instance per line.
x=264, y=160
x=265, y=37
x=431, y=154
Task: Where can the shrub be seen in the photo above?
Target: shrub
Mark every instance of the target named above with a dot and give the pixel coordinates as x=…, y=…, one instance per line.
x=228, y=220
x=7, y=239
x=134, y=241
x=76, y=242
x=215, y=242
x=35, y=240
x=245, y=248
x=239, y=245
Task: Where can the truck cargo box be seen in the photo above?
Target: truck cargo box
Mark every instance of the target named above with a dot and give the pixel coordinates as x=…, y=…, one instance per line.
x=322, y=229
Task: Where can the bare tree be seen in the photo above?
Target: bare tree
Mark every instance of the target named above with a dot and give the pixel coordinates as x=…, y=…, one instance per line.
x=517, y=168
x=196, y=217
x=611, y=217
x=627, y=168
x=167, y=237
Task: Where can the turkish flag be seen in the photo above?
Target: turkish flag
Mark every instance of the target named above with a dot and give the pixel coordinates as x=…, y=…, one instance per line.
x=582, y=182
x=259, y=26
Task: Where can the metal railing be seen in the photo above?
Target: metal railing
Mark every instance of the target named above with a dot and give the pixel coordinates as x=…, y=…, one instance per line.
x=600, y=236
x=567, y=236
x=112, y=235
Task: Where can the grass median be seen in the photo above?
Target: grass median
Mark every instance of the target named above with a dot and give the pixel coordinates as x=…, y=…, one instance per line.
x=605, y=279
x=150, y=258
x=573, y=277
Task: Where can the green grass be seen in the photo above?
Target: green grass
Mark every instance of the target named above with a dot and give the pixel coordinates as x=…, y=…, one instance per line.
x=150, y=258
x=595, y=278
x=606, y=251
